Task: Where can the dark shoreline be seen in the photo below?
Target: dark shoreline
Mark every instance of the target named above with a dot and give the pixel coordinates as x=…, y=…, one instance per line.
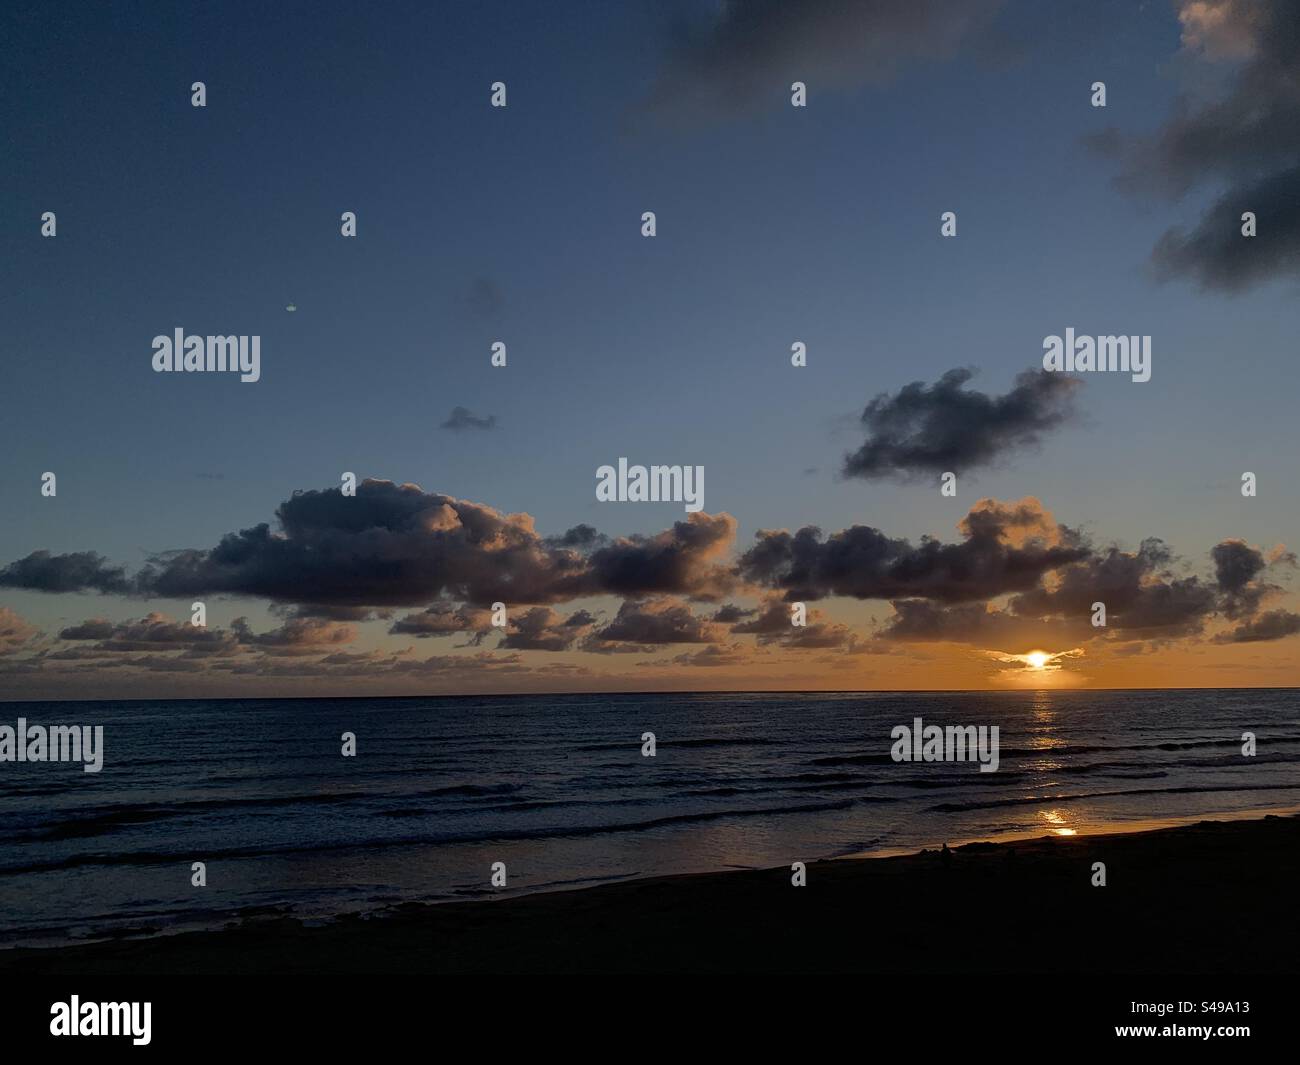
x=1213, y=897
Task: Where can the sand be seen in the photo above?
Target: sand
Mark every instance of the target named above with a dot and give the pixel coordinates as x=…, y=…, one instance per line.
x=1214, y=897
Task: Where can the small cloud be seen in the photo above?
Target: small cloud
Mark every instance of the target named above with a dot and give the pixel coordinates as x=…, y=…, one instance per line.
x=924, y=430
x=462, y=418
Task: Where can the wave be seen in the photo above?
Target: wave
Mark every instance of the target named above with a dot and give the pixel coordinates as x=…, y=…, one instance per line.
x=145, y=858
x=1029, y=800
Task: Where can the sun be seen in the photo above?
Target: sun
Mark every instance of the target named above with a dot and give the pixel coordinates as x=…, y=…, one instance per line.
x=1038, y=659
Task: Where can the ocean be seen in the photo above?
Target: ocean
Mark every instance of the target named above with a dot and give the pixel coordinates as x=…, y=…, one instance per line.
x=556, y=788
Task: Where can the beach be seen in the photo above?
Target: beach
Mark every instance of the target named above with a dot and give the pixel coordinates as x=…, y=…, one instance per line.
x=1215, y=897
x=557, y=789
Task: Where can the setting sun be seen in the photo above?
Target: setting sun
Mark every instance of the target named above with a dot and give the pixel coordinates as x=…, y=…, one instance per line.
x=1037, y=659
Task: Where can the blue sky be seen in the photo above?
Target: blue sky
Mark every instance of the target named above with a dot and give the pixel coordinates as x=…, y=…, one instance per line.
x=775, y=224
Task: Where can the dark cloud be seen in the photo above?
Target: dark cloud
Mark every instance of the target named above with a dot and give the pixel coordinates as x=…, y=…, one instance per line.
x=297, y=635
x=544, y=629
x=580, y=537
x=730, y=613
x=111, y=644
x=1245, y=144
x=773, y=623
x=1143, y=597
x=923, y=621
x=390, y=545
x=166, y=664
x=643, y=625
x=1216, y=255
x=91, y=629
x=332, y=612
x=443, y=619
x=944, y=427
x=155, y=633
x=1237, y=566
x=81, y=571
x=684, y=560
x=462, y=418
x=749, y=51
x=1273, y=625
x=863, y=563
x=340, y=557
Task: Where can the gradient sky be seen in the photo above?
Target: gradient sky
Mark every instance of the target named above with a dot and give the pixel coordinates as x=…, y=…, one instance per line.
x=522, y=224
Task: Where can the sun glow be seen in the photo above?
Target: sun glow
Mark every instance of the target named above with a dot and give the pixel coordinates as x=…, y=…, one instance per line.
x=1038, y=659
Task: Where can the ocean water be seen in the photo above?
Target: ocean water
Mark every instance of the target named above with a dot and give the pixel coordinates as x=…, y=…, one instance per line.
x=556, y=787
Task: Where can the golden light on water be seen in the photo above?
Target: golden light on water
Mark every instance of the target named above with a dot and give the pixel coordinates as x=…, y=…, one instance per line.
x=1057, y=822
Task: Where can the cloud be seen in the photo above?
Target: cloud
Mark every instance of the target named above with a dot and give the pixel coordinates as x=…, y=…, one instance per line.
x=389, y=545
x=15, y=632
x=1245, y=144
x=1222, y=29
x=544, y=629
x=295, y=636
x=751, y=50
x=684, y=560
x=773, y=624
x=1041, y=662
x=159, y=643
x=1014, y=580
x=580, y=537
x=155, y=632
x=861, y=562
x=1143, y=598
x=944, y=427
x=340, y=557
x=715, y=655
x=1273, y=625
x=452, y=668
x=1236, y=567
x=92, y=629
x=978, y=624
x=729, y=613
x=81, y=571
x=462, y=418
x=1216, y=254
x=442, y=619
x=644, y=625
x=332, y=612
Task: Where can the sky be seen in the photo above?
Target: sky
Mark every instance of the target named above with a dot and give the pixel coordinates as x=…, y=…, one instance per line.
x=522, y=224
